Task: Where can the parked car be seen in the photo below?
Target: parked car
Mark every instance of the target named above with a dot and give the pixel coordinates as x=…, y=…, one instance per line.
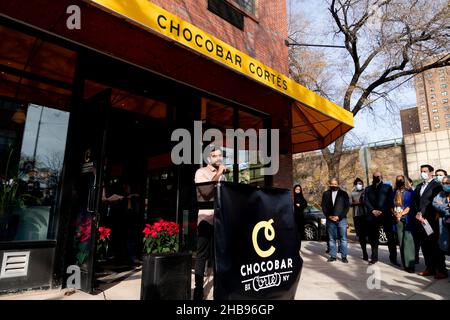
x=315, y=224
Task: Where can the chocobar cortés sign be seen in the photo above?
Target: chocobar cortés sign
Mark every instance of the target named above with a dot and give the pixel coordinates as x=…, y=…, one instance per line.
x=256, y=244
x=155, y=19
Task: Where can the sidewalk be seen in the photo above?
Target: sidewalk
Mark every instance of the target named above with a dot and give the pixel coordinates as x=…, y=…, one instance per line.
x=320, y=280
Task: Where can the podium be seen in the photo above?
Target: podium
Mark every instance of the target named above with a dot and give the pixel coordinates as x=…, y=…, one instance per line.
x=256, y=245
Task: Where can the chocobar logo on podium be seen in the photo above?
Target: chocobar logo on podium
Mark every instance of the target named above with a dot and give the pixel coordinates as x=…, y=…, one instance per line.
x=268, y=273
x=256, y=244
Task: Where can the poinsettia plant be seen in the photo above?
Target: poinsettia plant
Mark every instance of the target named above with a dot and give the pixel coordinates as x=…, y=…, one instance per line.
x=103, y=241
x=161, y=237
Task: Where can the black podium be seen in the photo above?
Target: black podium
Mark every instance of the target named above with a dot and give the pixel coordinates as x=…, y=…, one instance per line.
x=256, y=243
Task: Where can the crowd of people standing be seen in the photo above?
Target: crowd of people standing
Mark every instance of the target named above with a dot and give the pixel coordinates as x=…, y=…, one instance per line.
x=412, y=219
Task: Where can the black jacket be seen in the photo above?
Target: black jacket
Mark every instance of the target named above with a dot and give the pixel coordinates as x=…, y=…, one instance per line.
x=424, y=203
x=378, y=198
x=341, y=204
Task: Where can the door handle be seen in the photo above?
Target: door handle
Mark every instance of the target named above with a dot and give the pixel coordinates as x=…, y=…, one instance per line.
x=91, y=203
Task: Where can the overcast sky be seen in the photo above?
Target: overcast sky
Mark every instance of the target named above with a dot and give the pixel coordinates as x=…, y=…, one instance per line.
x=367, y=128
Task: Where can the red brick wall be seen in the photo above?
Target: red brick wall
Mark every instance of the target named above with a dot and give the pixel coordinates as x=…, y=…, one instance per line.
x=262, y=39
x=284, y=179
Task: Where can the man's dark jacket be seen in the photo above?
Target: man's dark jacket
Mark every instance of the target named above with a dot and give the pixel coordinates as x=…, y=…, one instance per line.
x=424, y=203
x=341, y=204
x=378, y=197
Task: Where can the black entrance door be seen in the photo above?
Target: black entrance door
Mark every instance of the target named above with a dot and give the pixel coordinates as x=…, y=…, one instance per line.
x=88, y=162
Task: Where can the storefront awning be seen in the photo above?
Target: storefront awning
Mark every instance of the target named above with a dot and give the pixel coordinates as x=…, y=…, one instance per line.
x=316, y=121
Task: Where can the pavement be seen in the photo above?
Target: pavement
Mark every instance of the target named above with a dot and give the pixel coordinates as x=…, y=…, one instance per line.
x=320, y=280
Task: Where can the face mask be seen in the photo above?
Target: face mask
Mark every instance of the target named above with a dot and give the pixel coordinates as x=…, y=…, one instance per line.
x=359, y=187
x=334, y=188
x=446, y=188
x=424, y=175
x=439, y=178
x=399, y=183
x=376, y=180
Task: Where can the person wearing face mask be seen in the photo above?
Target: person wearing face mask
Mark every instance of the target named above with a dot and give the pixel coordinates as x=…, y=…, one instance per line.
x=403, y=210
x=335, y=205
x=440, y=174
x=377, y=199
x=300, y=205
x=442, y=204
x=359, y=215
x=426, y=215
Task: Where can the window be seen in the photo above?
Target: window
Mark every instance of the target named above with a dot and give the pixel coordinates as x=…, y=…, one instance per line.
x=443, y=85
x=429, y=75
x=34, y=104
x=246, y=5
x=227, y=12
x=444, y=93
x=442, y=79
x=434, y=103
x=424, y=113
x=422, y=107
x=434, y=110
x=426, y=128
x=448, y=124
x=424, y=120
x=432, y=90
x=436, y=118
x=445, y=100
x=433, y=96
x=437, y=125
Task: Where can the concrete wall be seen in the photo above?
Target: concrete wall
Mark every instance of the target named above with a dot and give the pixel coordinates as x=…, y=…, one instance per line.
x=427, y=148
x=310, y=169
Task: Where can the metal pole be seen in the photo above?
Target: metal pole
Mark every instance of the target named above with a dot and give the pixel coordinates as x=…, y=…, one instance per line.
x=37, y=138
x=287, y=43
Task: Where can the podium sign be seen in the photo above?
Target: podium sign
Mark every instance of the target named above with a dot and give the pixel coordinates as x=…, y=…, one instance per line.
x=256, y=243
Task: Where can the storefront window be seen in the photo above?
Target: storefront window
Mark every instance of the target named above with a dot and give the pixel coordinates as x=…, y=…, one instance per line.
x=249, y=171
x=32, y=153
x=219, y=116
x=35, y=91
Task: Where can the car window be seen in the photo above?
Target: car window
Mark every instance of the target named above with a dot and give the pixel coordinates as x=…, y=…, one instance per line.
x=313, y=209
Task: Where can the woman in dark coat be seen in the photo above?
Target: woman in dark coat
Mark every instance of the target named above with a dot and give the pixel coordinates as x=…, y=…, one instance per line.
x=300, y=205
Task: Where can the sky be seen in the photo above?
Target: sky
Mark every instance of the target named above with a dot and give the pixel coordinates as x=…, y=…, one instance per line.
x=52, y=132
x=368, y=129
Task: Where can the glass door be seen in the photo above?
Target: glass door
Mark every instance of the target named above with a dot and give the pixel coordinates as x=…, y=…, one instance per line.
x=89, y=153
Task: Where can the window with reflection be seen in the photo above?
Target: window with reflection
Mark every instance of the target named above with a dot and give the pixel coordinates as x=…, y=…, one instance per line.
x=222, y=117
x=248, y=159
x=219, y=116
x=36, y=79
x=32, y=146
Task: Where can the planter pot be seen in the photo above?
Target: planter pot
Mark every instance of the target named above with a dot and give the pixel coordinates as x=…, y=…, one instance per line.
x=166, y=276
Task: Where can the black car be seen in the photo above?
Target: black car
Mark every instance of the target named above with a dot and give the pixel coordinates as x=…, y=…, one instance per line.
x=315, y=224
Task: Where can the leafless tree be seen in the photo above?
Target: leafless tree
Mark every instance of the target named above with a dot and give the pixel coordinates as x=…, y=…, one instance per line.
x=386, y=43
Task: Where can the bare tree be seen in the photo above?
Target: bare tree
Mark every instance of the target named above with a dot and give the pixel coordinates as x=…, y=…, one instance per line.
x=386, y=42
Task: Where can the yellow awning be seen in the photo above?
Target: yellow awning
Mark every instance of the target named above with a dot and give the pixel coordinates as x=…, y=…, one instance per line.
x=312, y=129
x=316, y=121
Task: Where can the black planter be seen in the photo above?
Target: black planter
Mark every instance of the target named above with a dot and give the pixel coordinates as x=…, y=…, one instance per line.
x=166, y=276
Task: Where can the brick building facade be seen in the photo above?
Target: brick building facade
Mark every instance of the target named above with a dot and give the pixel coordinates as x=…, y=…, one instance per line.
x=262, y=37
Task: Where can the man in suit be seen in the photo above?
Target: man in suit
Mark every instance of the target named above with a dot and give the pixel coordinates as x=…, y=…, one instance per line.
x=335, y=205
x=424, y=195
x=377, y=201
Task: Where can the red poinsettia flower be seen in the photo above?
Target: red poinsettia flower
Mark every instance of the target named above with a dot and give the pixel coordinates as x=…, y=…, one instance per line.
x=104, y=232
x=161, y=237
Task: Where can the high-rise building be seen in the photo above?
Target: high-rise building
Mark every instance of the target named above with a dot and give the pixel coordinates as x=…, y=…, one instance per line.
x=410, y=120
x=432, y=95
